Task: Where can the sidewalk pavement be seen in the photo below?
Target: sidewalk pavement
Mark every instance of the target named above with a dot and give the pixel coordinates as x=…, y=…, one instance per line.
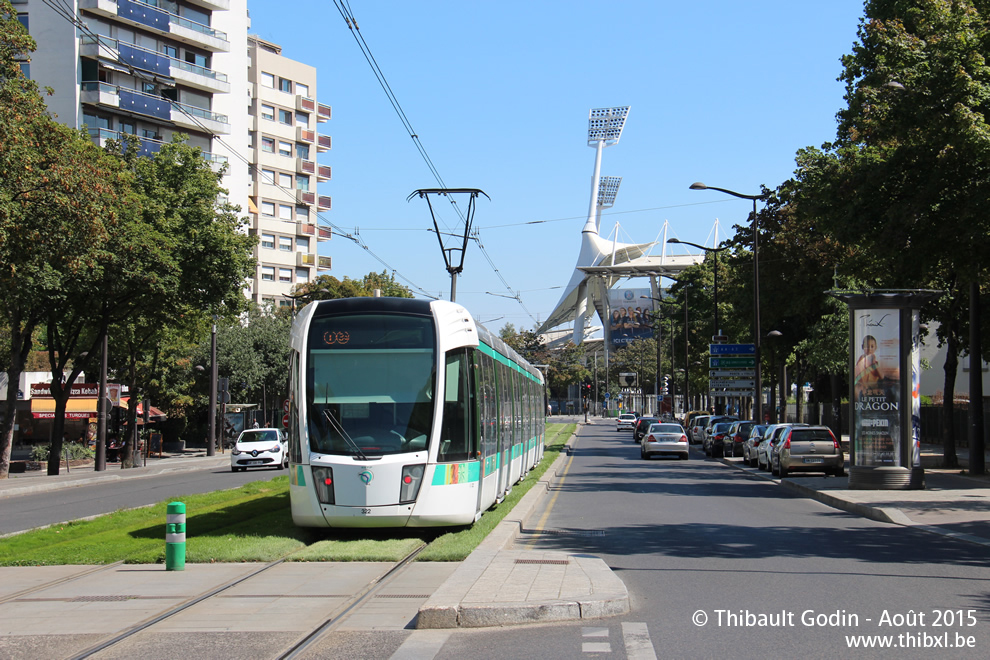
x=497, y=584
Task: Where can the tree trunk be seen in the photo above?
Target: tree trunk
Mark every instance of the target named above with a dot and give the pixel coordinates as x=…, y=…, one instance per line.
x=951, y=367
x=20, y=348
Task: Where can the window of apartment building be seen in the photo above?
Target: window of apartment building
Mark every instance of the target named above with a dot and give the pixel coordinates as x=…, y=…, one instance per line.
x=268, y=209
x=285, y=180
x=268, y=273
x=268, y=241
x=268, y=144
x=302, y=244
x=302, y=181
x=193, y=14
x=284, y=212
x=126, y=127
x=302, y=276
x=23, y=20
x=150, y=133
x=285, y=243
x=197, y=59
x=267, y=80
x=170, y=51
x=302, y=90
x=250, y=139
x=302, y=151
x=268, y=112
x=284, y=148
x=285, y=85
x=302, y=213
x=302, y=118
x=268, y=176
x=93, y=121
x=284, y=274
x=285, y=116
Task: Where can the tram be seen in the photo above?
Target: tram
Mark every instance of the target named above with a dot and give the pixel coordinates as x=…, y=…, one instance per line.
x=405, y=412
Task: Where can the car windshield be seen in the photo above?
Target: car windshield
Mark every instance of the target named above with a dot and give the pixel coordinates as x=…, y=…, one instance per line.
x=666, y=428
x=259, y=435
x=722, y=428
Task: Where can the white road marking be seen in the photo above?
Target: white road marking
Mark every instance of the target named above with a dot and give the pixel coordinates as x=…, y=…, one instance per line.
x=638, y=644
x=422, y=645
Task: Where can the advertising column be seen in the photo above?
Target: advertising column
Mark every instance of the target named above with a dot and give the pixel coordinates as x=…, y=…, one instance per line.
x=884, y=377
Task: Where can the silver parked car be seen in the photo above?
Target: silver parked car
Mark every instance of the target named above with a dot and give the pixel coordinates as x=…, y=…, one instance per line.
x=696, y=433
x=664, y=439
x=809, y=449
x=763, y=450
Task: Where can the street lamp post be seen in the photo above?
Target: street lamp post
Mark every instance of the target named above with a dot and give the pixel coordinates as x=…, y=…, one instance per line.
x=758, y=412
x=717, y=336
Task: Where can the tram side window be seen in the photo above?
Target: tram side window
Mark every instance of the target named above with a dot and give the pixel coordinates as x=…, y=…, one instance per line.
x=295, y=443
x=458, y=440
x=489, y=423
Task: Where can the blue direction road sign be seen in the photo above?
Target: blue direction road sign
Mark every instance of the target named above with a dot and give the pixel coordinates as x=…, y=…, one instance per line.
x=732, y=362
x=732, y=349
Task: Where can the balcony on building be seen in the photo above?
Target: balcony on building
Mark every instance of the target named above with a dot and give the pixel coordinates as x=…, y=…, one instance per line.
x=305, y=166
x=148, y=146
x=322, y=113
x=305, y=259
x=323, y=143
x=305, y=229
x=324, y=263
x=323, y=173
x=323, y=202
x=161, y=66
x=323, y=234
x=305, y=103
x=199, y=119
x=305, y=134
x=305, y=197
x=157, y=20
x=98, y=93
x=215, y=5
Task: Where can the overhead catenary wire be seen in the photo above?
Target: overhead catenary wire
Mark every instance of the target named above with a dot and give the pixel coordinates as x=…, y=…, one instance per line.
x=61, y=8
x=343, y=7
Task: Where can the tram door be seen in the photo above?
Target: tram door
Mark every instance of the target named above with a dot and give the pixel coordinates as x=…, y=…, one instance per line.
x=504, y=429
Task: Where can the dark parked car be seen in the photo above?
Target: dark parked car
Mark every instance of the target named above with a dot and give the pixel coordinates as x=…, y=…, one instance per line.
x=738, y=434
x=643, y=427
x=715, y=437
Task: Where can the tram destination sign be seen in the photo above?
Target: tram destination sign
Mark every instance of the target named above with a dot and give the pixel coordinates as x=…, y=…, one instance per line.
x=732, y=349
x=732, y=363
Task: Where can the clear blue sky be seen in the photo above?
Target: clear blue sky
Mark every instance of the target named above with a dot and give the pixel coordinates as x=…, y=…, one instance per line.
x=721, y=91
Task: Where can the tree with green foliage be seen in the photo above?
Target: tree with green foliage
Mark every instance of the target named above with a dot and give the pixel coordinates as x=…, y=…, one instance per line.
x=907, y=179
x=60, y=198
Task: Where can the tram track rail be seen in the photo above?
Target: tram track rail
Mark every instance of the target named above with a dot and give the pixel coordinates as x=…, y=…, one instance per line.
x=298, y=647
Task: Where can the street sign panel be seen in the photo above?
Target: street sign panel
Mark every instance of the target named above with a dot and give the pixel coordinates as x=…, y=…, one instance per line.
x=738, y=384
x=731, y=362
x=732, y=349
x=732, y=373
x=729, y=394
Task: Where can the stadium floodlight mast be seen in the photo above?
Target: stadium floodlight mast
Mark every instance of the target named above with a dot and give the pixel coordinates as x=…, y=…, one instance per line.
x=604, y=129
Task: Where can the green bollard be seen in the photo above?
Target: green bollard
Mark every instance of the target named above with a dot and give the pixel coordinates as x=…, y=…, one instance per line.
x=175, y=537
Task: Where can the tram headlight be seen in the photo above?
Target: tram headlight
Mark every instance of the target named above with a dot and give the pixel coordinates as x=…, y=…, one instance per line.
x=323, y=480
x=412, y=479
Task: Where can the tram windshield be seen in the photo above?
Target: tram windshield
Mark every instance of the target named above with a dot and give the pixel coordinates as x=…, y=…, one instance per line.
x=370, y=384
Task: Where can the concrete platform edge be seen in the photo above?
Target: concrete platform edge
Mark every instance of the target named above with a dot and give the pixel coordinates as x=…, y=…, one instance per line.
x=447, y=607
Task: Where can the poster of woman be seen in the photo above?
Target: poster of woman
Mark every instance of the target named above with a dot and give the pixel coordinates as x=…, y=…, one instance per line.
x=876, y=386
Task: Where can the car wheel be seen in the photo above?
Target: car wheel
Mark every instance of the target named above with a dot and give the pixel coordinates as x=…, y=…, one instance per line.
x=233, y=469
x=684, y=457
x=281, y=466
x=781, y=470
x=773, y=469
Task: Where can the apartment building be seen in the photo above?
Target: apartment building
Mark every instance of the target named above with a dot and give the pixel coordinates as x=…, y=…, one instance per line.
x=149, y=68
x=283, y=146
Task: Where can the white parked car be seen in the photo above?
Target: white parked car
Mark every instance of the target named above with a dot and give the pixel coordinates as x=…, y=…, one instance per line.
x=260, y=448
x=625, y=421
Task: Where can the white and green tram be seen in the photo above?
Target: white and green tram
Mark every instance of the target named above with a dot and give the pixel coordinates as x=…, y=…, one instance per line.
x=405, y=412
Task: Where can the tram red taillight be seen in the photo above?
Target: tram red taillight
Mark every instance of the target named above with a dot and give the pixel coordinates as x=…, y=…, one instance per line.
x=323, y=481
x=412, y=478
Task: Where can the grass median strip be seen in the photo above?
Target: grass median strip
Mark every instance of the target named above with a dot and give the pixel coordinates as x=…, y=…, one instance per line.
x=253, y=524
